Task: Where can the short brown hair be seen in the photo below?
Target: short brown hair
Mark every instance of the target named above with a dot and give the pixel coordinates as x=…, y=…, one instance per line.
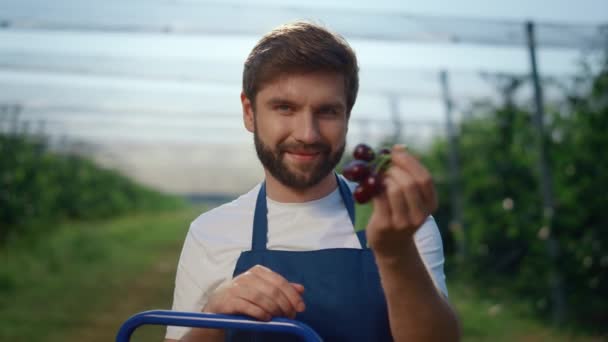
x=300, y=47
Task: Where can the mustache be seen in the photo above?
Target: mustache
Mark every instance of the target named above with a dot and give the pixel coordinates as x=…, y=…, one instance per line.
x=305, y=148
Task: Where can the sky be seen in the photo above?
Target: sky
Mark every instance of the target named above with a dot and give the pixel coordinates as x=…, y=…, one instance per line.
x=103, y=71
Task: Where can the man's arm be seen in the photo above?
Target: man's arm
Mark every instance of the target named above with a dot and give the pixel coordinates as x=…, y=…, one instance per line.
x=417, y=311
x=259, y=293
x=192, y=282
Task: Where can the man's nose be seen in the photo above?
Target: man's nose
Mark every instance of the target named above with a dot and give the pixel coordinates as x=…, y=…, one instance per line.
x=306, y=128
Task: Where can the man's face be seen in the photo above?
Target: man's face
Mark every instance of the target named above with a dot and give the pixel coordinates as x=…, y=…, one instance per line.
x=300, y=126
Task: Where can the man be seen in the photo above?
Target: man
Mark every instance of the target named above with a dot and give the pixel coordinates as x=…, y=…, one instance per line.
x=288, y=248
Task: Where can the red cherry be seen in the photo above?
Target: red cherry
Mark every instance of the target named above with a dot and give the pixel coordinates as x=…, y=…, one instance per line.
x=370, y=187
x=362, y=195
x=356, y=170
x=363, y=152
x=373, y=184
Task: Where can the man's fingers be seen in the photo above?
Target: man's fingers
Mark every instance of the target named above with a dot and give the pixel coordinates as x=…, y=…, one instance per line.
x=301, y=306
x=418, y=212
x=298, y=287
x=405, y=161
x=250, y=292
x=382, y=211
x=242, y=306
x=411, y=192
x=277, y=280
x=276, y=294
x=398, y=204
x=258, y=289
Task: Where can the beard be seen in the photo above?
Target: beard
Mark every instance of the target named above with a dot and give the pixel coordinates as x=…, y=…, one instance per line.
x=310, y=174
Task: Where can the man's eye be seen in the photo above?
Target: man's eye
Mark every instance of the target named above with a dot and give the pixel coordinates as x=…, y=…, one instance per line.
x=283, y=108
x=328, y=111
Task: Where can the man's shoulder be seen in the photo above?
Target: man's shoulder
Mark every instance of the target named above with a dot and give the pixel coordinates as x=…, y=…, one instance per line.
x=231, y=214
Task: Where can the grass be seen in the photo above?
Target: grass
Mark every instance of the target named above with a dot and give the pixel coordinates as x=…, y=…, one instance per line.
x=85, y=279
x=498, y=318
x=51, y=286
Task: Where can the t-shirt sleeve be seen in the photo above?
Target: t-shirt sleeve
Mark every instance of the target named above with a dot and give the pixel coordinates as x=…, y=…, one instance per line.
x=206, y=262
x=430, y=247
x=200, y=270
x=188, y=295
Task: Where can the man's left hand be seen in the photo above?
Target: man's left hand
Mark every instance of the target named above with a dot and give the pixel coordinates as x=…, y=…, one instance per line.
x=407, y=200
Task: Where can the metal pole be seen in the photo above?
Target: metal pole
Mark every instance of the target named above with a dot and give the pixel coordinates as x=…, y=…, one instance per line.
x=456, y=224
x=555, y=280
x=396, y=117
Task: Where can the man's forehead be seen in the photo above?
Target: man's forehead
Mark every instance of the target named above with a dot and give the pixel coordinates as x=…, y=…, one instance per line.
x=320, y=86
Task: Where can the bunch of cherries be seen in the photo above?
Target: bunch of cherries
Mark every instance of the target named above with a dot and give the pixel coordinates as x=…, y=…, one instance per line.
x=366, y=169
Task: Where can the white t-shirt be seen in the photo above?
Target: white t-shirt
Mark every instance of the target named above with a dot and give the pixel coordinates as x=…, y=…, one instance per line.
x=217, y=237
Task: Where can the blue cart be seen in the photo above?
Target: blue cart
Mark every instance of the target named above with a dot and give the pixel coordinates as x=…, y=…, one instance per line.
x=206, y=320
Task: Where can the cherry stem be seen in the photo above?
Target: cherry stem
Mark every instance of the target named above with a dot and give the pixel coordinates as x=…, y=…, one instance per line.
x=383, y=161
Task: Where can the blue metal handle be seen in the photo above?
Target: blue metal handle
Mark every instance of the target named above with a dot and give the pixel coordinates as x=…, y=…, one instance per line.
x=207, y=320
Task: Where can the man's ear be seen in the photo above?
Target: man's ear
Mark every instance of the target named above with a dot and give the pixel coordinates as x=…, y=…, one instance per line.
x=248, y=119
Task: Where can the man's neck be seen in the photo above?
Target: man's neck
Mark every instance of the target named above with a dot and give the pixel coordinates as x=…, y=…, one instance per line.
x=278, y=192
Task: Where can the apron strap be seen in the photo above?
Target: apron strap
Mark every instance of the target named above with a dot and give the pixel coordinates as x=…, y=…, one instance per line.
x=349, y=203
x=260, y=221
x=260, y=217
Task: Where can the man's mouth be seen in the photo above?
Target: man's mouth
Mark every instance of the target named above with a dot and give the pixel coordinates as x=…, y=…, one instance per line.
x=303, y=155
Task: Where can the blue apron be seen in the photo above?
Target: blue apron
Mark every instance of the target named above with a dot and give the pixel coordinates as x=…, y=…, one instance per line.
x=343, y=296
